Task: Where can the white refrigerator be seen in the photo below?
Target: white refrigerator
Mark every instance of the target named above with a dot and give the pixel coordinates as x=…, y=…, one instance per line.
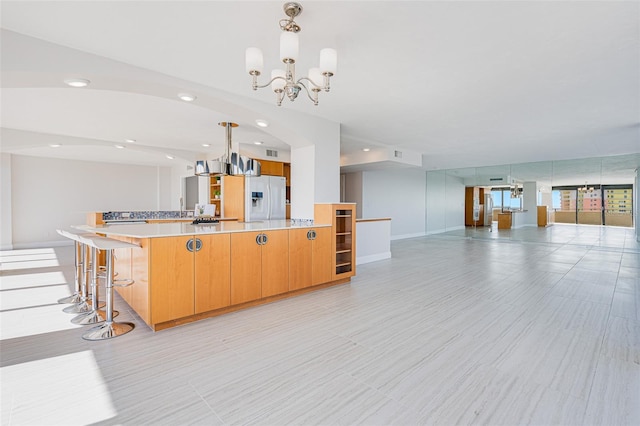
x=264, y=198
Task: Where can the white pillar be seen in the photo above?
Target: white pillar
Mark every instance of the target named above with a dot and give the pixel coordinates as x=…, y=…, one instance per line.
x=6, y=234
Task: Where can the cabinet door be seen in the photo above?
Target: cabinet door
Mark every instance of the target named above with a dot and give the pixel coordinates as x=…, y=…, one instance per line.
x=300, y=259
x=212, y=273
x=171, y=280
x=321, y=257
x=275, y=263
x=246, y=267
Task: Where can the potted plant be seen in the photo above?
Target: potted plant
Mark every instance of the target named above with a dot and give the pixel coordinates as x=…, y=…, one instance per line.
x=216, y=194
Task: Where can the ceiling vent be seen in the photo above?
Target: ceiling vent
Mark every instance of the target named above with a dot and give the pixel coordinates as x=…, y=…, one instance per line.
x=397, y=154
x=272, y=153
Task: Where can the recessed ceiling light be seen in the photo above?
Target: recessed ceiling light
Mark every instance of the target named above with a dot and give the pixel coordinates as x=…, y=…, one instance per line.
x=55, y=145
x=206, y=145
x=258, y=143
x=366, y=149
x=130, y=140
x=262, y=123
x=170, y=157
x=119, y=146
x=77, y=82
x=187, y=97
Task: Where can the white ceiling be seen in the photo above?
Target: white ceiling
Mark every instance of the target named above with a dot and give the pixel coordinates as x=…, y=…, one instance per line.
x=464, y=84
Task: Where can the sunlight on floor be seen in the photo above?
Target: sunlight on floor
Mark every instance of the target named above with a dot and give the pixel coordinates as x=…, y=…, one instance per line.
x=68, y=387
x=32, y=321
x=14, y=282
x=10, y=260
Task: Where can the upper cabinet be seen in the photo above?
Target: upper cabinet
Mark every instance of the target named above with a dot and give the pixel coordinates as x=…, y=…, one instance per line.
x=271, y=168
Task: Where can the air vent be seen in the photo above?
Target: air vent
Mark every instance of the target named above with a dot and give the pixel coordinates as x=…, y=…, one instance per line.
x=397, y=154
x=496, y=179
x=272, y=153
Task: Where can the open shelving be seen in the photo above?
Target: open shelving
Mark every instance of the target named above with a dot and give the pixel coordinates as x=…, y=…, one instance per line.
x=342, y=218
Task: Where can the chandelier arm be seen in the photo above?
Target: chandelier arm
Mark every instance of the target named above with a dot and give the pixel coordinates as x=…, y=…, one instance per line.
x=269, y=83
x=306, y=89
x=310, y=81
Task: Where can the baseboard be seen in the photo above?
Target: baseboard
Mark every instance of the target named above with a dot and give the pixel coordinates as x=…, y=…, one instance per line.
x=404, y=236
x=441, y=231
x=7, y=247
x=373, y=258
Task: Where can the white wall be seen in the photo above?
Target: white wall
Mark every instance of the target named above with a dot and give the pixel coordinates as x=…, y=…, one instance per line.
x=353, y=190
x=445, y=202
x=435, y=215
x=398, y=194
x=47, y=194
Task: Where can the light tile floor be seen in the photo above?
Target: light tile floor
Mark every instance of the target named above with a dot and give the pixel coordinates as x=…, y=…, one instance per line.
x=529, y=326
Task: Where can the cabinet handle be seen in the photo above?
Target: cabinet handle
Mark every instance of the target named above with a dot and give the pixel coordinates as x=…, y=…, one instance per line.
x=259, y=239
x=190, y=245
x=198, y=244
x=311, y=235
x=264, y=239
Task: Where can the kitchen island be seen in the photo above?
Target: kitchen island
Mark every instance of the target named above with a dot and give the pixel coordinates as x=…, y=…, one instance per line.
x=186, y=272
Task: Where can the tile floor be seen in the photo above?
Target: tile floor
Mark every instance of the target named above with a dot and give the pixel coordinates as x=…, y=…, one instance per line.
x=531, y=326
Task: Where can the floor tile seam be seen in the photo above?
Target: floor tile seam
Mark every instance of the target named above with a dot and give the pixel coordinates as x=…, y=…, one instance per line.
x=205, y=401
x=600, y=352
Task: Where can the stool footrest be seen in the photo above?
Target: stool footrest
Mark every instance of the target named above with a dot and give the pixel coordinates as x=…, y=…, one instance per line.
x=123, y=282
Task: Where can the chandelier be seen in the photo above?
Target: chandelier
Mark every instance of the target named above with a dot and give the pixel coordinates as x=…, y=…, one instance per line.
x=284, y=81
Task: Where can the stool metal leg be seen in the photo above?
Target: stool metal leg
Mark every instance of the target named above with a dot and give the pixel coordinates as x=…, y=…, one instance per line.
x=76, y=296
x=83, y=306
x=96, y=315
x=109, y=329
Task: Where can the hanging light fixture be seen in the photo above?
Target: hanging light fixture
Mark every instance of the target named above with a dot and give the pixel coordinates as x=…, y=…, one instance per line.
x=230, y=163
x=284, y=81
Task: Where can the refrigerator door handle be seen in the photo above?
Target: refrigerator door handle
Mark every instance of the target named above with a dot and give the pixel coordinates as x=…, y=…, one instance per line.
x=269, y=213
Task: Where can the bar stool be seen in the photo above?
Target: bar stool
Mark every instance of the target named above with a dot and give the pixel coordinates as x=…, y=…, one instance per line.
x=95, y=315
x=110, y=328
x=84, y=305
x=76, y=297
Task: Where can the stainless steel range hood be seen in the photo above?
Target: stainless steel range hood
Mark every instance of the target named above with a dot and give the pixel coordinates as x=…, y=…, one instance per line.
x=231, y=163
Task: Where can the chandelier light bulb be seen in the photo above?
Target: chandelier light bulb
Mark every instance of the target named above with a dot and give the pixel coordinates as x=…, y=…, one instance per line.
x=254, y=60
x=289, y=47
x=315, y=75
x=279, y=83
x=328, y=61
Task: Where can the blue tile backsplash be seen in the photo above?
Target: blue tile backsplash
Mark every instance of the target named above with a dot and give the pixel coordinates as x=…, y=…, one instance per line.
x=129, y=215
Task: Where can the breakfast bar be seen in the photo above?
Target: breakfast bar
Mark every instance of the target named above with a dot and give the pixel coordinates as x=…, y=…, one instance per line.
x=184, y=272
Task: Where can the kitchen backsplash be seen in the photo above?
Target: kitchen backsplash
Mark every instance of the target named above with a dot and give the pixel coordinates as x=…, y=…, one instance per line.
x=129, y=215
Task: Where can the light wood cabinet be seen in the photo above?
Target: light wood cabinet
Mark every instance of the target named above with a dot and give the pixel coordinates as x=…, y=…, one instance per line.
x=271, y=168
x=246, y=267
x=212, y=280
x=171, y=274
x=309, y=257
x=343, y=236
x=230, y=196
x=259, y=265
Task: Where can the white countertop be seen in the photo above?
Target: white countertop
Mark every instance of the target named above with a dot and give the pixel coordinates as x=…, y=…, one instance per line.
x=177, y=229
